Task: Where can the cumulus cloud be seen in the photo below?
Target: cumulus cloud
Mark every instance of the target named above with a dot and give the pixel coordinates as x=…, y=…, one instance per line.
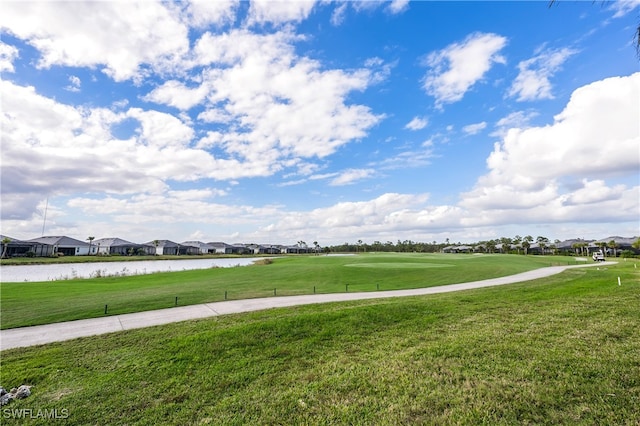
x=8, y=54
x=202, y=13
x=74, y=84
x=594, y=191
x=275, y=100
x=177, y=94
x=124, y=35
x=596, y=136
x=456, y=68
x=532, y=82
x=279, y=12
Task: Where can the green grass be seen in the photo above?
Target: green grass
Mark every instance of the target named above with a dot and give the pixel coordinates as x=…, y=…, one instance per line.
x=26, y=304
x=559, y=350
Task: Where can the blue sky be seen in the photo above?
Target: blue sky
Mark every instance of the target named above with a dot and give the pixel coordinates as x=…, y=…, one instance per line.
x=274, y=122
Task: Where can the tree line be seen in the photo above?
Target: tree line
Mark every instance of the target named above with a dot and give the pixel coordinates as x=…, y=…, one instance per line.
x=515, y=245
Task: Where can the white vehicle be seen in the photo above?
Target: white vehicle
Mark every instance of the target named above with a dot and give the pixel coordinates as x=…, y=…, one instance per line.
x=598, y=257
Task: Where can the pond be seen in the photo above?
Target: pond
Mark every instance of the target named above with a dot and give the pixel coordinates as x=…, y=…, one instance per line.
x=67, y=271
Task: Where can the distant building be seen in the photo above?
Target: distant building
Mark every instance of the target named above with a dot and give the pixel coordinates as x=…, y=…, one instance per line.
x=119, y=246
x=66, y=246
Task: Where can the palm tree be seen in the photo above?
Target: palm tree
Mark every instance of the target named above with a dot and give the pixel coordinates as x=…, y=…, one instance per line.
x=5, y=246
x=90, y=239
x=156, y=243
x=315, y=247
x=517, y=241
x=542, y=242
x=526, y=243
x=506, y=244
x=613, y=245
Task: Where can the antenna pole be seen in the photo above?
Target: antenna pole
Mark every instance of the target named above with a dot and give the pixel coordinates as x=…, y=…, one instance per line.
x=44, y=220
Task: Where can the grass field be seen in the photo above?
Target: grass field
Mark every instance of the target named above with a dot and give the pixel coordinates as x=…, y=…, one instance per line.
x=559, y=350
x=25, y=304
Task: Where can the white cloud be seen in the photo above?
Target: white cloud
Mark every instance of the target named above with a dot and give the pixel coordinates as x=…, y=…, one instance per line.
x=531, y=170
x=350, y=176
x=279, y=12
x=202, y=13
x=171, y=207
x=278, y=104
x=519, y=119
x=623, y=7
x=532, y=82
x=350, y=217
x=8, y=54
x=457, y=67
x=417, y=123
x=177, y=94
x=338, y=14
x=124, y=35
x=408, y=159
x=398, y=6
x=594, y=191
x=472, y=129
x=74, y=84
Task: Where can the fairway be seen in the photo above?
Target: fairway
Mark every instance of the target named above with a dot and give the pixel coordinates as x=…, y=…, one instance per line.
x=33, y=303
x=399, y=265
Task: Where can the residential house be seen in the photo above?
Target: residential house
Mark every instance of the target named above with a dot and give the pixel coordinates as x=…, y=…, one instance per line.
x=18, y=248
x=121, y=247
x=239, y=248
x=163, y=247
x=203, y=248
x=458, y=249
x=66, y=246
x=620, y=244
x=264, y=249
x=295, y=249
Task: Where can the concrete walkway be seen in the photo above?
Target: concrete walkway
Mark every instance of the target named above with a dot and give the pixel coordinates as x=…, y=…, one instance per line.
x=56, y=332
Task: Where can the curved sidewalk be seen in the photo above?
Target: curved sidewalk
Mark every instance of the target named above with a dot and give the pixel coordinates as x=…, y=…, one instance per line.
x=57, y=332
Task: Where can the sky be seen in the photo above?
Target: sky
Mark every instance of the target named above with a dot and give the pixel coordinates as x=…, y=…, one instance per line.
x=282, y=121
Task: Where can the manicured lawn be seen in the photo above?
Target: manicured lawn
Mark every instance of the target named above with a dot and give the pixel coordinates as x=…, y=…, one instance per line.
x=559, y=350
x=33, y=303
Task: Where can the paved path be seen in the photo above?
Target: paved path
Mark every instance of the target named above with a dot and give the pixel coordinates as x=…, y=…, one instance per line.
x=56, y=332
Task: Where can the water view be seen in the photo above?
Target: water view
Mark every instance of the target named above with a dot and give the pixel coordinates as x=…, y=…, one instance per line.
x=67, y=271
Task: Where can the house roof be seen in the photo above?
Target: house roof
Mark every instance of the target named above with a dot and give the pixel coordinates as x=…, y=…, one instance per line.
x=198, y=244
x=619, y=240
x=219, y=244
x=113, y=242
x=569, y=243
x=161, y=243
x=59, y=241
